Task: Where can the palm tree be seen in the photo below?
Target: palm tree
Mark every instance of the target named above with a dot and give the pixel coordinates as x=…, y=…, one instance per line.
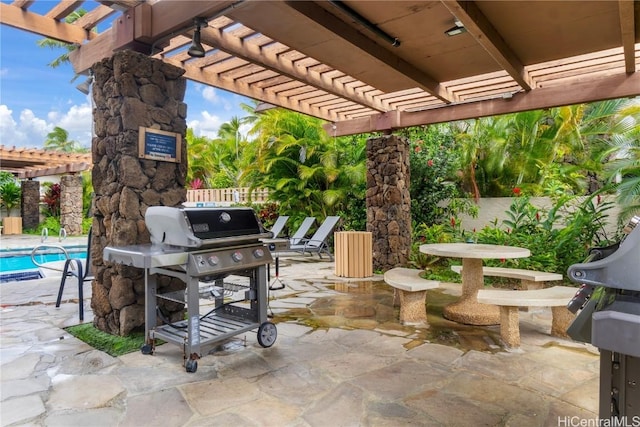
x=58, y=140
x=623, y=150
x=56, y=44
x=483, y=155
x=200, y=162
x=308, y=173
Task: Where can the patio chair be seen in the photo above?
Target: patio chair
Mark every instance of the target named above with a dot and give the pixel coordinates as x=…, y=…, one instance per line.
x=278, y=226
x=302, y=231
x=73, y=268
x=318, y=242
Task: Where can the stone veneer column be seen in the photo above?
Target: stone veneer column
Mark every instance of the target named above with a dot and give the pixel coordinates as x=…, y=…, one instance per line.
x=388, y=200
x=132, y=90
x=71, y=204
x=30, y=204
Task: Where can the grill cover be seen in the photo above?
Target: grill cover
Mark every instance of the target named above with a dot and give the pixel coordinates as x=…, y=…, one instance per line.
x=198, y=227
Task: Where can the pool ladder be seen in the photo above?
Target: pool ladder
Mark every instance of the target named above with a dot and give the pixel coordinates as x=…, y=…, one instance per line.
x=45, y=246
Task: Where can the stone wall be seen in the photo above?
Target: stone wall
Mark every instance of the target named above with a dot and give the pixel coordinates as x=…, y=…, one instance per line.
x=71, y=204
x=388, y=201
x=132, y=90
x=30, y=204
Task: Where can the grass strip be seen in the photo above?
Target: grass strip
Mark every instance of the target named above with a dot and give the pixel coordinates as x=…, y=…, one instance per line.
x=110, y=344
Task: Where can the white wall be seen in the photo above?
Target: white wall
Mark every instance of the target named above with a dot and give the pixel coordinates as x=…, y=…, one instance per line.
x=491, y=208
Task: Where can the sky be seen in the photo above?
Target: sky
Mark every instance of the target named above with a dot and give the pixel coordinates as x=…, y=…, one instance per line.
x=35, y=98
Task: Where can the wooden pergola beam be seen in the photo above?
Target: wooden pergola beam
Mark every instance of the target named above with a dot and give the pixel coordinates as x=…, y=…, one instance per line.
x=615, y=86
x=279, y=63
x=47, y=27
x=359, y=41
x=485, y=34
x=628, y=31
x=197, y=74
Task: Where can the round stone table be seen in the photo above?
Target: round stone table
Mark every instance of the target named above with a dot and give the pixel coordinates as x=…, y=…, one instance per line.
x=467, y=309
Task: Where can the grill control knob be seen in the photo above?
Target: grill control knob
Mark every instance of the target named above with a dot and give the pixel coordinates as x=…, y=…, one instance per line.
x=258, y=253
x=237, y=256
x=213, y=260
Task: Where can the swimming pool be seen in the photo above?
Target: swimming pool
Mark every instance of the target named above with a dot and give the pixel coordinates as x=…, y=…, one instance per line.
x=17, y=264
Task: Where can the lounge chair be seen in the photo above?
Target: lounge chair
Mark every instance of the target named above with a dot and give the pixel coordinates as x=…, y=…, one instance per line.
x=302, y=231
x=73, y=267
x=318, y=242
x=278, y=226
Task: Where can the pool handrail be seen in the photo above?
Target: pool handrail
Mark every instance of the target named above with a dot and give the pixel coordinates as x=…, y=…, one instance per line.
x=48, y=246
x=44, y=235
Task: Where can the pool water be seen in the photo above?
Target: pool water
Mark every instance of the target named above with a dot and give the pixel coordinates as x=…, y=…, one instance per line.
x=18, y=265
x=23, y=262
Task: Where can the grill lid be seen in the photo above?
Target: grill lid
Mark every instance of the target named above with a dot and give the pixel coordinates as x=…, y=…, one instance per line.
x=198, y=227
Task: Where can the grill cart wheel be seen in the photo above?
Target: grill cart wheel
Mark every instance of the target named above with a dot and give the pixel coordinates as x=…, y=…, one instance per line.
x=191, y=366
x=267, y=334
x=146, y=349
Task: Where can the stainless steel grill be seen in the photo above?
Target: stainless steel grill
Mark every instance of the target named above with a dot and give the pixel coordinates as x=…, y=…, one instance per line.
x=207, y=245
x=609, y=318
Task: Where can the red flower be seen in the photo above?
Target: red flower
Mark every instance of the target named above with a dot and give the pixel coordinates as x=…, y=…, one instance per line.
x=598, y=199
x=516, y=191
x=417, y=149
x=502, y=260
x=537, y=216
x=453, y=222
x=429, y=162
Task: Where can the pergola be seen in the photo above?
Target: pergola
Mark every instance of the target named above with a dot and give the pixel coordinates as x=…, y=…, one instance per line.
x=33, y=163
x=369, y=66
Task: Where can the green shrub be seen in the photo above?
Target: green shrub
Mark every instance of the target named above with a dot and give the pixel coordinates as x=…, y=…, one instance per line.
x=557, y=237
x=10, y=195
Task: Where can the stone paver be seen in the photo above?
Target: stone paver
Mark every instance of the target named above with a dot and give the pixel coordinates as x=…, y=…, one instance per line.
x=376, y=373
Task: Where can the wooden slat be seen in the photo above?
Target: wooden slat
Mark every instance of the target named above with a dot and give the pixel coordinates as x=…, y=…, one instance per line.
x=47, y=27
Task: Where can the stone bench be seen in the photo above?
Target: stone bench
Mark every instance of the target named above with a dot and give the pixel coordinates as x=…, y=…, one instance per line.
x=412, y=292
x=529, y=279
x=556, y=297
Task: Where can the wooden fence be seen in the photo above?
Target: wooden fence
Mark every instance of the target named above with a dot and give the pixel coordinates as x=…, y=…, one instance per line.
x=227, y=195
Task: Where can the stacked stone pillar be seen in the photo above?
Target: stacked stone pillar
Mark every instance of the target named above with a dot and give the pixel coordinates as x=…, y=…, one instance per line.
x=132, y=90
x=388, y=201
x=30, y=204
x=71, y=204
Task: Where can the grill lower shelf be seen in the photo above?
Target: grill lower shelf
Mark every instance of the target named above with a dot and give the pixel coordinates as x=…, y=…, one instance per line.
x=211, y=329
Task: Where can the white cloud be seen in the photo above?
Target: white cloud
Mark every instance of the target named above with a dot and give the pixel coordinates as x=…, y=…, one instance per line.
x=27, y=131
x=78, y=121
x=30, y=131
x=210, y=94
x=206, y=125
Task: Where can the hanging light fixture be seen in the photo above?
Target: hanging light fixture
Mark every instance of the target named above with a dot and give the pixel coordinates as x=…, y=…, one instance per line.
x=85, y=86
x=457, y=29
x=196, y=50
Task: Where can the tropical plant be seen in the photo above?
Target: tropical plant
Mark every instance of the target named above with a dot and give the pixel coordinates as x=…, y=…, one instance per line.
x=307, y=172
x=622, y=150
x=87, y=194
x=10, y=195
x=434, y=161
x=58, y=140
x=57, y=44
x=51, y=199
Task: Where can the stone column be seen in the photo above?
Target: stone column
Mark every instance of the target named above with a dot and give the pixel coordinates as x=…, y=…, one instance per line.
x=30, y=205
x=71, y=204
x=388, y=200
x=132, y=90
